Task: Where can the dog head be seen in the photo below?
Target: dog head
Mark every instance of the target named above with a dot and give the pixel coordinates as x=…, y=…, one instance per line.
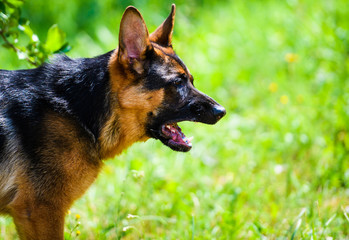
x=154, y=88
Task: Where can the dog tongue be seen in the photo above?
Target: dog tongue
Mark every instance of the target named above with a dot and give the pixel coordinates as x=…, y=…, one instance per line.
x=174, y=132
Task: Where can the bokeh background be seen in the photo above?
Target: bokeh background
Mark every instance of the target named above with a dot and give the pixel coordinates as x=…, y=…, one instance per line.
x=276, y=167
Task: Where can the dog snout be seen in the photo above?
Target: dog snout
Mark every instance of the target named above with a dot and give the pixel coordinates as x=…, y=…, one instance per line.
x=206, y=110
x=197, y=108
x=218, y=111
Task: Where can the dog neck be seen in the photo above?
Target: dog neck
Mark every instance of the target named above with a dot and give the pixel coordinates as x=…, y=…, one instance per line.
x=126, y=123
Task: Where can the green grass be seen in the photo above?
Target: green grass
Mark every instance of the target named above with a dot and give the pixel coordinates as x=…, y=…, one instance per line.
x=276, y=167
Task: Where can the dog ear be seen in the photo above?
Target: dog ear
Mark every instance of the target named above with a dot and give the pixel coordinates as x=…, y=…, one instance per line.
x=133, y=37
x=163, y=34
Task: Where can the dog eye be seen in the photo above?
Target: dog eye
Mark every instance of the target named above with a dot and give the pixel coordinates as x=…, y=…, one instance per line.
x=178, y=82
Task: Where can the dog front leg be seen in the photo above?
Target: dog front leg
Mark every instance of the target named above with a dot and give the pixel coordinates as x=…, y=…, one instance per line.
x=38, y=221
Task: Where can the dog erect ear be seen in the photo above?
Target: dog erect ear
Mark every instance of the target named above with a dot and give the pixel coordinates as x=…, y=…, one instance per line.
x=163, y=34
x=133, y=36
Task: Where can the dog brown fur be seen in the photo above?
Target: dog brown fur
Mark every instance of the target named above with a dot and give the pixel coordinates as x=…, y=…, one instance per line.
x=73, y=167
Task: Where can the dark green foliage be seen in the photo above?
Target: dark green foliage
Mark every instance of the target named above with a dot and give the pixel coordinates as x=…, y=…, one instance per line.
x=17, y=35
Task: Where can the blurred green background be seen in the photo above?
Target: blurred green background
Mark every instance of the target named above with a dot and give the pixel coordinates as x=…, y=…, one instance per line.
x=276, y=167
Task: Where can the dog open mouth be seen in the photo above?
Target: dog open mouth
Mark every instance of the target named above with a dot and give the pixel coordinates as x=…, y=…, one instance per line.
x=173, y=137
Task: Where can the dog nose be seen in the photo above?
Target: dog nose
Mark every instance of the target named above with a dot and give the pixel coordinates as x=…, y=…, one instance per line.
x=218, y=111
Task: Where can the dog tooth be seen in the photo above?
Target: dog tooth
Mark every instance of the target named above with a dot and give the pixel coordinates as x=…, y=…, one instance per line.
x=190, y=139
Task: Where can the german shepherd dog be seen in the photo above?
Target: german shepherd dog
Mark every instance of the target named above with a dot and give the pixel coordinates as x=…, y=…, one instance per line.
x=60, y=120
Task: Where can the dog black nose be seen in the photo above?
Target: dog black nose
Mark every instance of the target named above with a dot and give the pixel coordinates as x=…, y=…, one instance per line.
x=218, y=111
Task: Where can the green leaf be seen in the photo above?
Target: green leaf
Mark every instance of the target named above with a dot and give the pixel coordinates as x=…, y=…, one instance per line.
x=23, y=21
x=3, y=17
x=55, y=39
x=14, y=3
x=2, y=7
x=12, y=21
x=65, y=48
x=12, y=33
x=27, y=30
